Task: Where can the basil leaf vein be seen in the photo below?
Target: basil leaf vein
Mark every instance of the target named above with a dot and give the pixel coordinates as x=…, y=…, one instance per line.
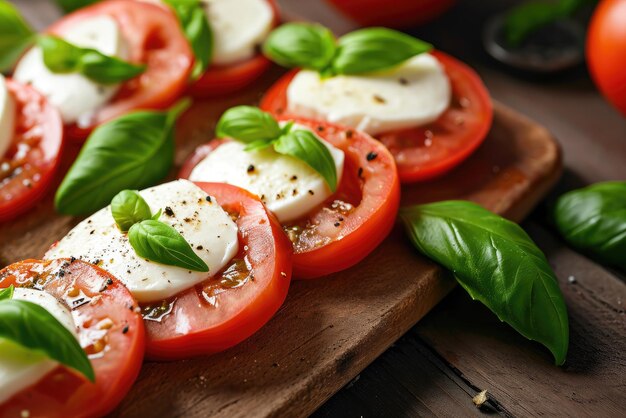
x=161, y=243
x=304, y=146
x=15, y=35
x=128, y=208
x=133, y=151
x=63, y=57
x=33, y=327
x=593, y=219
x=193, y=20
x=497, y=263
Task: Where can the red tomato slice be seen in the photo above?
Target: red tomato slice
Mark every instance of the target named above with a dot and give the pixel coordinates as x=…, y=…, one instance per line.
x=115, y=347
x=28, y=167
x=154, y=38
x=231, y=306
x=353, y=221
x=220, y=80
x=395, y=14
x=606, y=49
x=431, y=150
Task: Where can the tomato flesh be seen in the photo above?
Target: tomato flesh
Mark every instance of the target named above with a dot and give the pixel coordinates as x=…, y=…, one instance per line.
x=110, y=330
x=28, y=167
x=235, y=303
x=353, y=221
x=153, y=38
x=431, y=150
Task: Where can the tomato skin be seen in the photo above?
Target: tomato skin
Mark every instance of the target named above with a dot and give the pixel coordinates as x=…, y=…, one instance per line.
x=395, y=14
x=38, y=125
x=371, y=186
x=154, y=38
x=235, y=313
x=219, y=80
x=606, y=49
x=451, y=142
x=63, y=393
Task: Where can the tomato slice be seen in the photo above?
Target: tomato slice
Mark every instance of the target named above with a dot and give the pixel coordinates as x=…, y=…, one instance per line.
x=235, y=303
x=396, y=14
x=220, y=80
x=354, y=220
x=427, y=151
x=154, y=38
x=110, y=330
x=28, y=167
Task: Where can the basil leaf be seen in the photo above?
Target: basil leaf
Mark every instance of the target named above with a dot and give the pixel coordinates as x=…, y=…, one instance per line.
x=15, y=35
x=159, y=242
x=131, y=152
x=62, y=57
x=71, y=5
x=497, y=263
x=195, y=25
x=593, y=219
x=129, y=208
x=305, y=146
x=6, y=293
x=247, y=124
x=302, y=45
x=33, y=327
x=374, y=49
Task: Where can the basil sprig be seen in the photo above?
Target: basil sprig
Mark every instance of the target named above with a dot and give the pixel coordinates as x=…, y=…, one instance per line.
x=593, y=219
x=63, y=57
x=194, y=23
x=133, y=151
x=128, y=208
x=15, y=35
x=259, y=129
x=497, y=263
x=314, y=47
x=31, y=326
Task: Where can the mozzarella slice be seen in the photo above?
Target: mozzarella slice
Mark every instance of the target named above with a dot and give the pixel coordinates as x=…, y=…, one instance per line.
x=7, y=117
x=238, y=26
x=21, y=367
x=287, y=186
x=200, y=219
x=76, y=97
x=413, y=94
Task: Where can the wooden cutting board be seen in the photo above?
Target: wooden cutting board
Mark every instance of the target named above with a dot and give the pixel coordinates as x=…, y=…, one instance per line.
x=329, y=329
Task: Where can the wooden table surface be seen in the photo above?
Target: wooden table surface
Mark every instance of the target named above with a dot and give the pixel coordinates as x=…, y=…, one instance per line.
x=461, y=348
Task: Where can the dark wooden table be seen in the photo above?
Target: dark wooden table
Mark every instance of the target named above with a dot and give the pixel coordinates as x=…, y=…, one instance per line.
x=460, y=348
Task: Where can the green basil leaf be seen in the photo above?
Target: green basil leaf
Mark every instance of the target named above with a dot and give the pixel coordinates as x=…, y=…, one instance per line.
x=593, y=219
x=71, y=5
x=373, y=49
x=15, y=35
x=304, y=146
x=302, y=45
x=131, y=152
x=62, y=57
x=6, y=293
x=33, y=327
x=129, y=208
x=195, y=25
x=157, y=215
x=497, y=263
x=247, y=124
x=159, y=242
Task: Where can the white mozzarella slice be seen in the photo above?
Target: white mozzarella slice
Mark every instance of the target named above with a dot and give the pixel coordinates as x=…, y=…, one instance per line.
x=76, y=97
x=238, y=26
x=19, y=366
x=7, y=117
x=413, y=94
x=199, y=218
x=287, y=186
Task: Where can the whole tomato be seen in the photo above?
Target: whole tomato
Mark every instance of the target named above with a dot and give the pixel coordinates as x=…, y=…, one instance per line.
x=606, y=51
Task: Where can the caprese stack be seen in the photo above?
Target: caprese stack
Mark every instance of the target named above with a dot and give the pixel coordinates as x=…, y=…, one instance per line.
x=196, y=265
